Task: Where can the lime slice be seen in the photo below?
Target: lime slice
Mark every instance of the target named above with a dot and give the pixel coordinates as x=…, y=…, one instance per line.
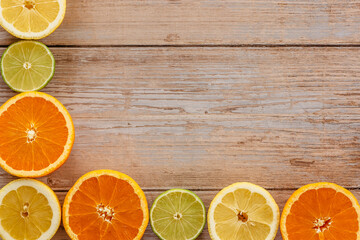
x=27, y=66
x=177, y=214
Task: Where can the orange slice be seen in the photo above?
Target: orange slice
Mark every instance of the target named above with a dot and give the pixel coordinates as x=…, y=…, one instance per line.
x=104, y=205
x=321, y=211
x=36, y=135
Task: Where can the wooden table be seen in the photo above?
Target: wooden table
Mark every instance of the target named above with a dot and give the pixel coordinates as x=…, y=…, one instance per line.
x=200, y=94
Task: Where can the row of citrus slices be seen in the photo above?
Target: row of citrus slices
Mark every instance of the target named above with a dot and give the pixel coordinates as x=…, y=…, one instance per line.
x=37, y=132
x=36, y=138
x=109, y=205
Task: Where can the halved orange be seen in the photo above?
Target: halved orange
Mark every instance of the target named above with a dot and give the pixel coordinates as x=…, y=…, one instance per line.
x=321, y=211
x=36, y=135
x=105, y=205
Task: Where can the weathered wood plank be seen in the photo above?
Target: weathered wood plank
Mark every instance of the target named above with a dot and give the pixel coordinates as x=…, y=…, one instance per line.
x=172, y=22
x=203, y=118
x=207, y=196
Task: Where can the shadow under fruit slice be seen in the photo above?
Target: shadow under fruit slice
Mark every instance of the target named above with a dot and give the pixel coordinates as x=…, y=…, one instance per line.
x=27, y=66
x=177, y=214
x=243, y=211
x=29, y=209
x=321, y=211
x=36, y=135
x=105, y=205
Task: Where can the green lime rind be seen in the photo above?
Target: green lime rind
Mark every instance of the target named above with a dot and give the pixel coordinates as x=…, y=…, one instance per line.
x=43, y=82
x=170, y=209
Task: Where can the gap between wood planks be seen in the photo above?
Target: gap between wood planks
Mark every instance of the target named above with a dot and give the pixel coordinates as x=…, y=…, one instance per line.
x=207, y=46
x=209, y=189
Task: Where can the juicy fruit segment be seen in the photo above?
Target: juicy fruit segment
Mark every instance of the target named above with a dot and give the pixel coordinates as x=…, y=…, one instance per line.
x=27, y=66
x=177, y=214
x=321, y=211
x=105, y=204
x=105, y=208
x=36, y=134
x=243, y=211
x=31, y=19
x=252, y=215
x=28, y=210
x=30, y=15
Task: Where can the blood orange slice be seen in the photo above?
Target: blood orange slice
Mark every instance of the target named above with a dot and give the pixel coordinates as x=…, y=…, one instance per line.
x=36, y=135
x=321, y=211
x=104, y=205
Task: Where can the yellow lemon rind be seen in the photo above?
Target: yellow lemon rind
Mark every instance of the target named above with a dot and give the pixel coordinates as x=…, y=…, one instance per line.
x=32, y=35
x=253, y=188
x=50, y=196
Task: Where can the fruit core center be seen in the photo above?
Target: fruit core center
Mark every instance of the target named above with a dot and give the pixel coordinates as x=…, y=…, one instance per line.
x=106, y=212
x=242, y=216
x=27, y=65
x=29, y=4
x=321, y=224
x=177, y=216
x=25, y=210
x=31, y=135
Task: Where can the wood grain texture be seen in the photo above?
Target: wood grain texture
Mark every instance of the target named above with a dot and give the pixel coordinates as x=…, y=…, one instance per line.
x=207, y=196
x=203, y=118
x=173, y=22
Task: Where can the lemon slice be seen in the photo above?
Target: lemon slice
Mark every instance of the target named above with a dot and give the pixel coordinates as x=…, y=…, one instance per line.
x=177, y=214
x=31, y=19
x=28, y=210
x=27, y=66
x=243, y=211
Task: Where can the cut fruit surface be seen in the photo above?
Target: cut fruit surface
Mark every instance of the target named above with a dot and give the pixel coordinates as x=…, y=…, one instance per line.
x=28, y=210
x=31, y=19
x=27, y=66
x=36, y=135
x=177, y=214
x=243, y=211
x=321, y=211
x=104, y=205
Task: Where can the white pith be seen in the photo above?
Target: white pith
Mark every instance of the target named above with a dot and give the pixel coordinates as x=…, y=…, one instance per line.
x=99, y=173
x=32, y=35
x=27, y=65
x=67, y=147
x=314, y=186
x=47, y=192
x=181, y=191
x=254, y=189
